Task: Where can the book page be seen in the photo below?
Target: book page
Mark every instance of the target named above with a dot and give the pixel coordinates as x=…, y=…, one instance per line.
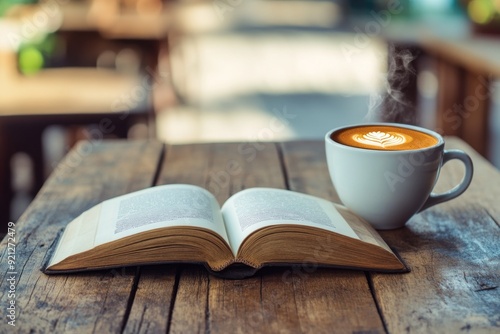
x=157, y=207
x=252, y=209
x=79, y=235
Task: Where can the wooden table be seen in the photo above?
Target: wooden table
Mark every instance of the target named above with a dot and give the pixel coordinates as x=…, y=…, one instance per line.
x=452, y=249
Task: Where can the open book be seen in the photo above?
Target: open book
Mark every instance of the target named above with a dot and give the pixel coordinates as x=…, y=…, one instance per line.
x=254, y=228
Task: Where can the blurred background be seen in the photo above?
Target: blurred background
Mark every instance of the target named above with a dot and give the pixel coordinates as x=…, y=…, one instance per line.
x=236, y=70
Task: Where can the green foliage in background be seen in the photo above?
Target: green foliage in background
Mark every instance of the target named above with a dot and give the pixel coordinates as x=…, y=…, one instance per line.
x=6, y=4
x=32, y=55
x=484, y=11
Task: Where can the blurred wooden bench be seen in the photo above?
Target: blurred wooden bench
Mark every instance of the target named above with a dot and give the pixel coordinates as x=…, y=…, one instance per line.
x=466, y=69
x=466, y=66
x=111, y=101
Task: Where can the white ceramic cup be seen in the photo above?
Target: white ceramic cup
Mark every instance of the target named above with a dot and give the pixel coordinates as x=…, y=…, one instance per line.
x=388, y=187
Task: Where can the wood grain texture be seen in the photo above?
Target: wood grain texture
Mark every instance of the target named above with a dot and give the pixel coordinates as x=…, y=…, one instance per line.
x=190, y=312
x=87, y=302
x=224, y=305
x=300, y=299
x=453, y=251
x=329, y=290
x=152, y=301
x=307, y=171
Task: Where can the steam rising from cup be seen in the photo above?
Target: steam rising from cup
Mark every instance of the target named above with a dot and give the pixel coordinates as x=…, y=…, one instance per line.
x=391, y=105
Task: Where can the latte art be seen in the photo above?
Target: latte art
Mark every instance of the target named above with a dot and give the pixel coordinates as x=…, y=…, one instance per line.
x=384, y=138
x=381, y=139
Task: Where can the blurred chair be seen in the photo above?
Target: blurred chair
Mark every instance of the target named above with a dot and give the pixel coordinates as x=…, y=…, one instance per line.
x=111, y=101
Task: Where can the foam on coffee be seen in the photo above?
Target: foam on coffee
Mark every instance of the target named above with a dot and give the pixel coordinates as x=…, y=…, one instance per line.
x=382, y=137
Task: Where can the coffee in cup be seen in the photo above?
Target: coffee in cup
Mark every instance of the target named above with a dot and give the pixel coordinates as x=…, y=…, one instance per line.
x=385, y=138
x=385, y=172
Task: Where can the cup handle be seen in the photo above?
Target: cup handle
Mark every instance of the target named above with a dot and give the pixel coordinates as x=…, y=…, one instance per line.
x=459, y=188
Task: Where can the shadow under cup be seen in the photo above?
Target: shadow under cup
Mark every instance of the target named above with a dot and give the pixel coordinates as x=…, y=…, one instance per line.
x=385, y=185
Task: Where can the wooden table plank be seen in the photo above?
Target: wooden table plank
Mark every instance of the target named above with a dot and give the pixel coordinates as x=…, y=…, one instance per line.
x=87, y=302
x=223, y=169
x=151, y=306
x=340, y=299
x=453, y=251
x=261, y=303
x=181, y=164
x=307, y=170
